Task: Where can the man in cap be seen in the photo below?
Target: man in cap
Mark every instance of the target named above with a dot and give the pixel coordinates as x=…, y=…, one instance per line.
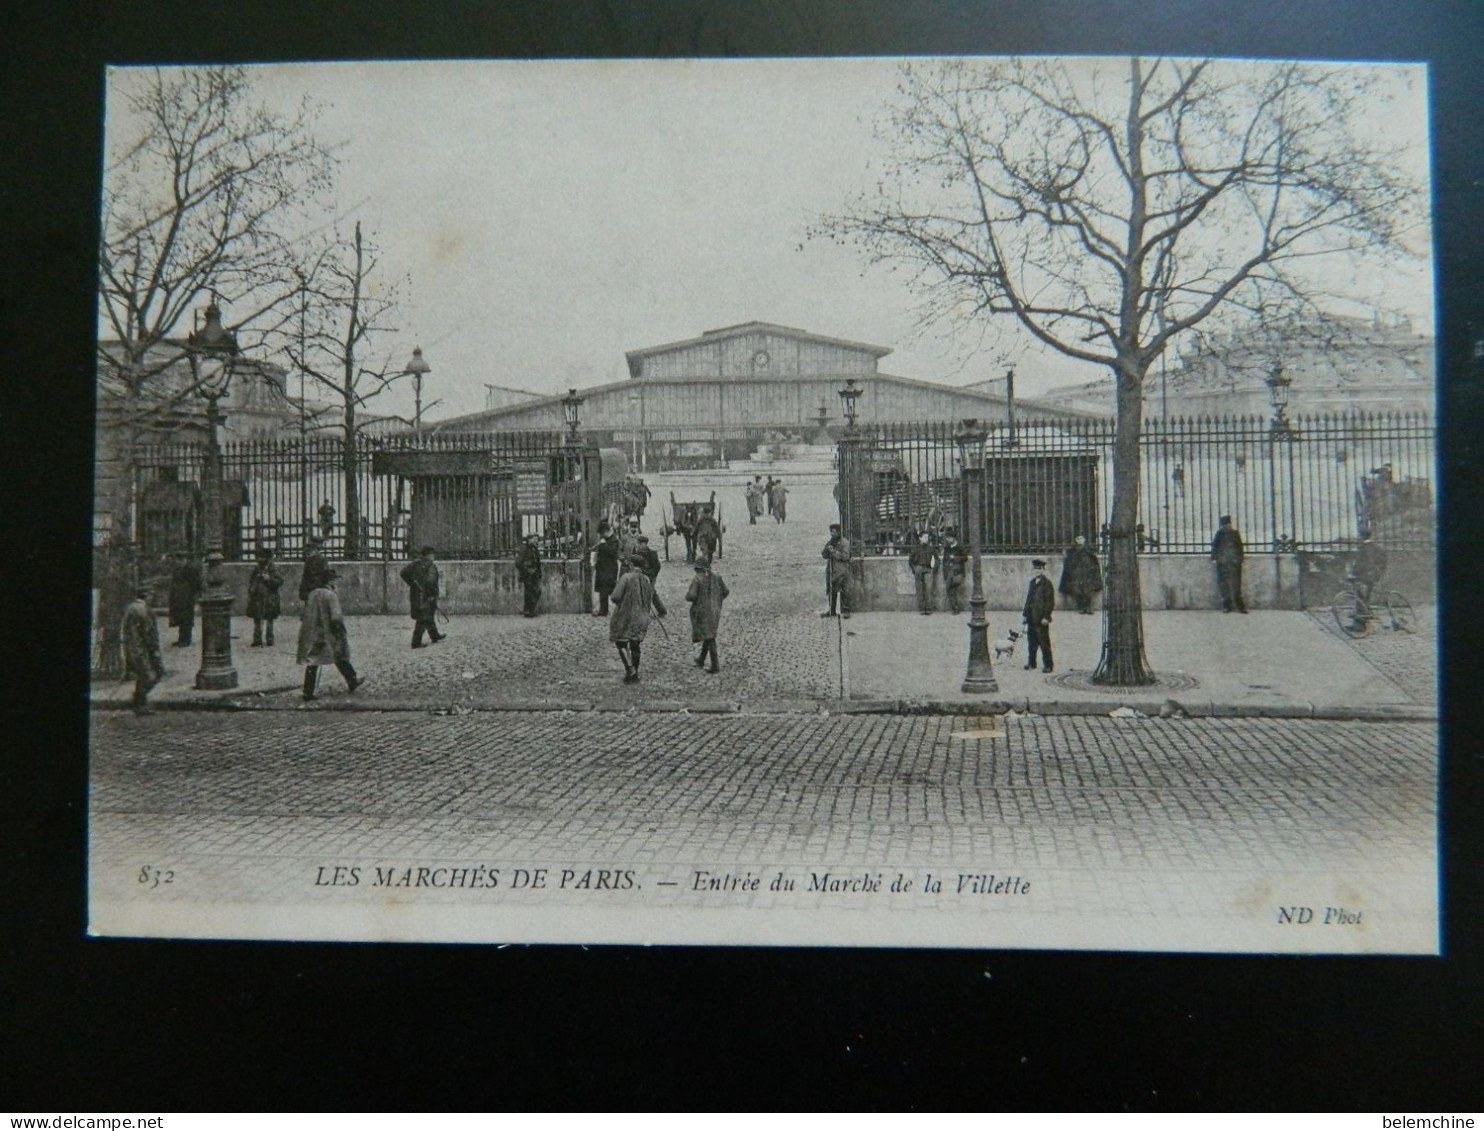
x=836, y=555
x=1081, y=576
x=1040, y=601
x=708, y=533
x=140, y=635
x=323, y=638
x=421, y=577
x=649, y=560
x=955, y=558
x=923, y=562
x=263, y=585
x=633, y=596
x=706, y=593
x=1227, y=552
x=605, y=567
x=528, y=569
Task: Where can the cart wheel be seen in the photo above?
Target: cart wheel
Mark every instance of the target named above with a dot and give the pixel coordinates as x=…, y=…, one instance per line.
x=1346, y=607
x=1403, y=619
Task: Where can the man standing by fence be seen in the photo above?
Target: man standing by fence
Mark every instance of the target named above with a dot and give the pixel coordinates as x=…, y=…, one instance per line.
x=1227, y=552
x=836, y=555
x=1040, y=603
x=955, y=558
x=528, y=569
x=923, y=562
x=422, y=583
x=1081, y=575
x=185, y=587
x=262, y=598
x=316, y=568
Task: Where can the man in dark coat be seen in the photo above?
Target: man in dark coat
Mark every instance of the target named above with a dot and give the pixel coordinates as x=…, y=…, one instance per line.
x=923, y=562
x=1227, y=552
x=954, y=558
x=708, y=533
x=528, y=569
x=1040, y=602
x=185, y=588
x=316, y=568
x=1081, y=576
x=421, y=577
x=633, y=598
x=706, y=593
x=780, y=502
x=326, y=520
x=262, y=598
x=605, y=567
x=140, y=636
x=836, y=555
x=649, y=560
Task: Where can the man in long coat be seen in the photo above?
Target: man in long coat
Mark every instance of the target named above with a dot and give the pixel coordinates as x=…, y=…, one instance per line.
x=955, y=558
x=421, y=577
x=323, y=638
x=780, y=502
x=316, y=568
x=605, y=567
x=1227, y=552
x=706, y=593
x=1040, y=602
x=262, y=598
x=923, y=562
x=185, y=588
x=140, y=636
x=708, y=533
x=836, y=555
x=528, y=569
x=632, y=598
x=1081, y=576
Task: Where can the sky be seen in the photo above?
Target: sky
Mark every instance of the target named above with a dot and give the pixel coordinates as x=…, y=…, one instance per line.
x=552, y=215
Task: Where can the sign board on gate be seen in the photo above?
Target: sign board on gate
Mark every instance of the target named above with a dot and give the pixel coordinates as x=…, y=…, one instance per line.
x=530, y=486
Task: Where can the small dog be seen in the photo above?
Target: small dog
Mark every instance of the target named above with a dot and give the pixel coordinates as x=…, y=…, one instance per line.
x=1001, y=651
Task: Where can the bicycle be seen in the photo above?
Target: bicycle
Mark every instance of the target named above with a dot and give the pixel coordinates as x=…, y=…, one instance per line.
x=1355, y=614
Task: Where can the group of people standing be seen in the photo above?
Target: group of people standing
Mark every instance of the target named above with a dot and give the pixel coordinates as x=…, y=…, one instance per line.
x=773, y=495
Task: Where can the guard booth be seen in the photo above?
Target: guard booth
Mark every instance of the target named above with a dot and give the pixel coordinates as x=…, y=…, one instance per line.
x=480, y=503
x=1038, y=502
x=172, y=517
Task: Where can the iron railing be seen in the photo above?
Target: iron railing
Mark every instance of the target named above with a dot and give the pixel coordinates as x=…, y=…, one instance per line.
x=1312, y=485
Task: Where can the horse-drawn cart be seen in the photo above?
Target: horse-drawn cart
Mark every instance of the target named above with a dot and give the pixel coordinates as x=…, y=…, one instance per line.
x=686, y=519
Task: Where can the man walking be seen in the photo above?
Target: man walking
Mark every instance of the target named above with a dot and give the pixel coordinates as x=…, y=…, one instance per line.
x=185, y=588
x=955, y=558
x=263, y=585
x=708, y=533
x=1227, y=552
x=1081, y=576
x=528, y=569
x=140, y=635
x=316, y=568
x=421, y=577
x=632, y=598
x=923, y=562
x=706, y=593
x=323, y=639
x=836, y=555
x=1040, y=601
x=605, y=567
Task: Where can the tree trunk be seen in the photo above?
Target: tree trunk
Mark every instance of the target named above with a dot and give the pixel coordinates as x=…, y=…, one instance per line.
x=1123, y=663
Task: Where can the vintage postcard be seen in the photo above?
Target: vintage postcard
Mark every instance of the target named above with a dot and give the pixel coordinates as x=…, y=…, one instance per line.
x=982, y=502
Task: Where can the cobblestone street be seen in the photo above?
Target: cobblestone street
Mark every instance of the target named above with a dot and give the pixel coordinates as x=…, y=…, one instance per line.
x=1158, y=828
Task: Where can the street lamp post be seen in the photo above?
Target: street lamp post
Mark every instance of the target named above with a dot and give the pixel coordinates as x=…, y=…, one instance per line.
x=214, y=341
x=634, y=399
x=979, y=677
x=1010, y=405
x=852, y=506
x=1282, y=429
x=417, y=368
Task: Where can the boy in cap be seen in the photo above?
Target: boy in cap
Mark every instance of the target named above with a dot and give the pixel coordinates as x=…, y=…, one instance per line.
x=706, y=593
x=141, y=640
x=1040, y=601
x=528, y=569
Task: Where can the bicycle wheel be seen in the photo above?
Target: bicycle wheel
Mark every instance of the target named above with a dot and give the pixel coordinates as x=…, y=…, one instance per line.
x=1348, y=615
x=1403, y=619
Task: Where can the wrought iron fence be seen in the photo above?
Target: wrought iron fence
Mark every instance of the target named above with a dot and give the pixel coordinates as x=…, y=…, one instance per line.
x=1313, y=485
x=277, y=493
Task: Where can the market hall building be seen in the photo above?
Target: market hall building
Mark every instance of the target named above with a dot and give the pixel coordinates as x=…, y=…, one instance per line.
x=697, y=402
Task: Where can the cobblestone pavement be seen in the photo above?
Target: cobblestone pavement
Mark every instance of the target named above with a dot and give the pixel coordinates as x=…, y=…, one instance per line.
x=1121, y=818
x=1408, y=659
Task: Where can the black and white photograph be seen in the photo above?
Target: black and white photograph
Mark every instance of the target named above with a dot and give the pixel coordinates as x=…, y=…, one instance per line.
x=895, y=502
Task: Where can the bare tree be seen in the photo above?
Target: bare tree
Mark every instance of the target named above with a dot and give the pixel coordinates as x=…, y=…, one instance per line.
x=1110, y=208
x=348, y=308
x=201, y=190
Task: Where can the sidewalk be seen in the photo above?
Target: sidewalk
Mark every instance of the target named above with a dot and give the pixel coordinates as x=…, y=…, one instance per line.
x=1268, y=664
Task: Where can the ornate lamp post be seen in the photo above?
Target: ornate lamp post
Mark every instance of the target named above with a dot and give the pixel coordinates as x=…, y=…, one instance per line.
x=854, y=495
x=214, y=342
x=1282, y=429
x=634, y=400
x=417, y=368
x=570, y=404
x=849, y=396
x=979, y=678
x=1278, y=388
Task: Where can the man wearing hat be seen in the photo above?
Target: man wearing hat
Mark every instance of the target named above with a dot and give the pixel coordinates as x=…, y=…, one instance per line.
x=316, y=567
x=528, y=569
x=605, y=567
x=923, y=562
x=421, y=577
x=185, y=587
x=706, y=593
x=836, y=555
x=323, y=639
x=262, y=598
x=1040, y=601
x=954, y=558
x=708, y=533
x=140, y=635
x=1227, y=552
x=649, y=560
x=633, y=597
